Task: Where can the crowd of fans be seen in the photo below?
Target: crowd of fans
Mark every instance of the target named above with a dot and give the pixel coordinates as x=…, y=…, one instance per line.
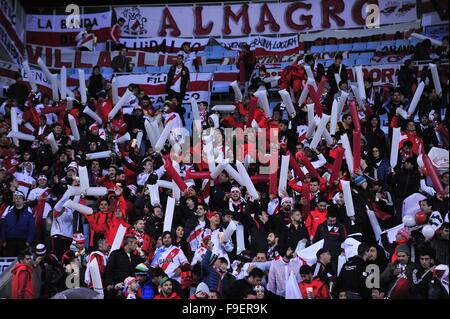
x=193, y=260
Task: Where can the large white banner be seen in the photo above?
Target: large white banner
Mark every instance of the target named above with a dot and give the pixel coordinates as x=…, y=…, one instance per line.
x=259, y=18
x=52, y=30
x=263, y=45
x=154, y=85
x=164, y=45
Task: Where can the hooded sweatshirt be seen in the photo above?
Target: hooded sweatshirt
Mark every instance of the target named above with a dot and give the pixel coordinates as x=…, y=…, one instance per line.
x=22, y=286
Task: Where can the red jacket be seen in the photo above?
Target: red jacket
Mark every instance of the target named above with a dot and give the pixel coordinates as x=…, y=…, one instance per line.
x=106, y=182
x=146, y=242
x=173, y=295
x=320, y=289
x=113, y=226
x=314, y=219
x=99, y=223
x=22, y=286
x=115, y=33
x=415, y=140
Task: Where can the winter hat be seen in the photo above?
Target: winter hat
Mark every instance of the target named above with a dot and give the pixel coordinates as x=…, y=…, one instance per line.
x=405, y=232
x=163, y=280
x=141, y=269
x=202, y=291
x=213, y=259
x=286, y=200
x=129, y=280
x=41, y=249
x=78, y=238
x=190, y=183
x=73, y=166
x=215, y=119
x=93, y=127
x=404, y=249
x=359, y=180
x=235, y=189
x=19, y=193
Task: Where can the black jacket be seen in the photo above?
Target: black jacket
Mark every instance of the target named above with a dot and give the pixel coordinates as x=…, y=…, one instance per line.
x=404, y=183
x=119, y=266
x=239, y=289
x=291, y=235
x=332, y=81
x=419, y=283
x=257, y=230
x=227, y=282
x=332, y=239
x=353, y=277
x=120, y=62
x=184, y=78
x=217, y=195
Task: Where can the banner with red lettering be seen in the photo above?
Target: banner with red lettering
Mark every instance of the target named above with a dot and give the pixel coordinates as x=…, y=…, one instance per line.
x=264, y=45
x=164, y=45
x=52, y=30
x=154, y=85
x=260, y=18
x=380, y=73
x=56, y=58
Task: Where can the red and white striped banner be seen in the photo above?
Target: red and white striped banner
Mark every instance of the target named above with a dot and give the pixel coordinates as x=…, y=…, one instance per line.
x=154, y=85
x=48, y=30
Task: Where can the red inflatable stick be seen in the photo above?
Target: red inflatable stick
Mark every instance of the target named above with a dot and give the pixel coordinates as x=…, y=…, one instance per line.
x=198, y=175
x=305, y=195
x=355, y=116
x=251, y=110
x=174, y=175
x=312, y=171
x=259, y=178
x=294, y=165
x=444, y=132
x=431, y=172
x=322, y=85
x=316, y=99
x=337, y=165
x=273, y=184
x=356, y=150
x=100, y=111
x=54, y=109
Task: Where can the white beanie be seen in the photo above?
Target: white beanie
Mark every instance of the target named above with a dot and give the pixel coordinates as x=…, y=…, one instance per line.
x=215, y=119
